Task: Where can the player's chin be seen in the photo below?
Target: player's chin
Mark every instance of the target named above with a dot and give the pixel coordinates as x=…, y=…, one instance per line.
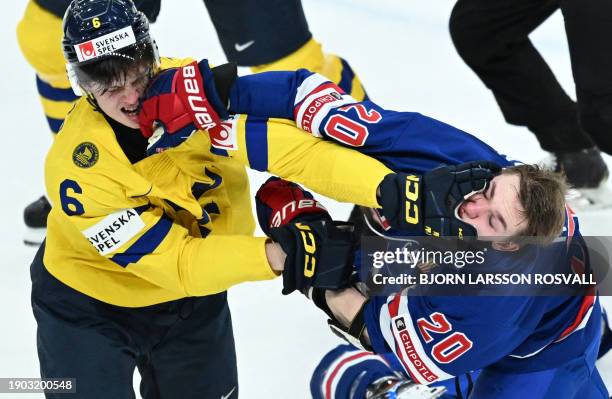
x=130, y=120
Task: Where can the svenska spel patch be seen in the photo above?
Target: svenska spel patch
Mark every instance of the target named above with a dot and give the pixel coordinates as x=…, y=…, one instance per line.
x=106, y=44
x=114, y=230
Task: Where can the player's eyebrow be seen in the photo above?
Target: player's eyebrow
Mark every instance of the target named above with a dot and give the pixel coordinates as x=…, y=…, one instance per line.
x=139, y=78
x=501, y=220
x=497, y=214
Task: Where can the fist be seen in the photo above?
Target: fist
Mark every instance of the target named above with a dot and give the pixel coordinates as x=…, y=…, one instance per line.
x=177, y=102
x=426, y=204
x=279, y=202
x=319, y=253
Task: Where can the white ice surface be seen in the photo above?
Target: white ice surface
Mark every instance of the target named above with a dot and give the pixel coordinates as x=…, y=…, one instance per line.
x=402, y=52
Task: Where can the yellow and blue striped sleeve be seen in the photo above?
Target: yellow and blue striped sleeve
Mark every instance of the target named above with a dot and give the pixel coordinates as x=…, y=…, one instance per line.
x=279, y=147
x=145, y=240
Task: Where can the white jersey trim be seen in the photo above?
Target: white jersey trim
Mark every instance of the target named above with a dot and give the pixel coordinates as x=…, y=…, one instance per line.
x=308, y=85
x=417, y=363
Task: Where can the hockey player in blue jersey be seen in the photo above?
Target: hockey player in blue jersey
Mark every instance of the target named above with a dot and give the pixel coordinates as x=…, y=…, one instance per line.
x=533, y=347
x=541, y=347
x=546, y=349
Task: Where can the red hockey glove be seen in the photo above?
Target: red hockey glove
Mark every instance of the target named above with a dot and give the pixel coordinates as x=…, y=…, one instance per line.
x=279, y=202
x=180, y=100
x=319, y=251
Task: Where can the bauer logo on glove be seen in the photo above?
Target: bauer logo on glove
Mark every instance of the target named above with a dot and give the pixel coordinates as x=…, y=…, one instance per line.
x=192, y=89
x=181, y=100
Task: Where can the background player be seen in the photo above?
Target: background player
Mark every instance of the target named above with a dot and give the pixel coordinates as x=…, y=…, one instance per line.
x=269, y=35
x=492, y=38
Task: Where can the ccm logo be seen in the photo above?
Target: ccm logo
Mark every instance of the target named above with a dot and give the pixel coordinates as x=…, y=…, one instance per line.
x=412, y=194
x=310, y=247
x=196, y=99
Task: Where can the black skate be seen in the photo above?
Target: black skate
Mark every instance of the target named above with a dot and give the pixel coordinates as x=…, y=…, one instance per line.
x=587, y=174
x=35, y=218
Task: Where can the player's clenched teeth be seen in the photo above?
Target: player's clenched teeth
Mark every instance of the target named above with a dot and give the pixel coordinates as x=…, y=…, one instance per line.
x=130, y=111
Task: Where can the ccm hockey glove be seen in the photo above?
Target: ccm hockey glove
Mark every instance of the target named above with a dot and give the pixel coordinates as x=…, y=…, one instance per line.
x=181, y=100
x=427, y=204
x=319, y=254
x=319, y=251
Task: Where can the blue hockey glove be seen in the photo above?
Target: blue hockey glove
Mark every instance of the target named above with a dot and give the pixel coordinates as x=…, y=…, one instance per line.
x=426, y=204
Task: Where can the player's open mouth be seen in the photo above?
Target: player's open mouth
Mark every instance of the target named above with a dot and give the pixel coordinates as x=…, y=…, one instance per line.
x=130, y=111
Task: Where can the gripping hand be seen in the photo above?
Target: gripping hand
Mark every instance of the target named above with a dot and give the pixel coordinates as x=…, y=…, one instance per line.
x=279, y=202
x=319, y=254
x=426, y=204
x=177, y=102
x=319, y=251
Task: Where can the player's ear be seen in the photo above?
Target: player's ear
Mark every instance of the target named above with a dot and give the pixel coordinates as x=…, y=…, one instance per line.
x=506, y=246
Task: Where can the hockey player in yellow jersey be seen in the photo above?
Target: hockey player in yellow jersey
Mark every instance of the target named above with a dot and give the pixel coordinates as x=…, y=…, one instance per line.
x=140, y=250
x=39, y=35
x=146, y=211
x=283, y=42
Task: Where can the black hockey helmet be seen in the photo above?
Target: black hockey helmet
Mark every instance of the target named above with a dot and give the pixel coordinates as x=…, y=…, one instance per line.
x=104, y=39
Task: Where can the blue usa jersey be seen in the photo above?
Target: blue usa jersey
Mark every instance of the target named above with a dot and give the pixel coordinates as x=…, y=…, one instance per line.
x=403, y=141
x=434, y=338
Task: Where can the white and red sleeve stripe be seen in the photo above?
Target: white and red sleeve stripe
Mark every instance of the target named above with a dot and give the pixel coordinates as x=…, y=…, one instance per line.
x=314, y=99
x=580, y=321
x=401, y=336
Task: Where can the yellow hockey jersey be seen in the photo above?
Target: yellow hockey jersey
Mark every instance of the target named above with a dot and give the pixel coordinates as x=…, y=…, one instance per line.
x=178, y=223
